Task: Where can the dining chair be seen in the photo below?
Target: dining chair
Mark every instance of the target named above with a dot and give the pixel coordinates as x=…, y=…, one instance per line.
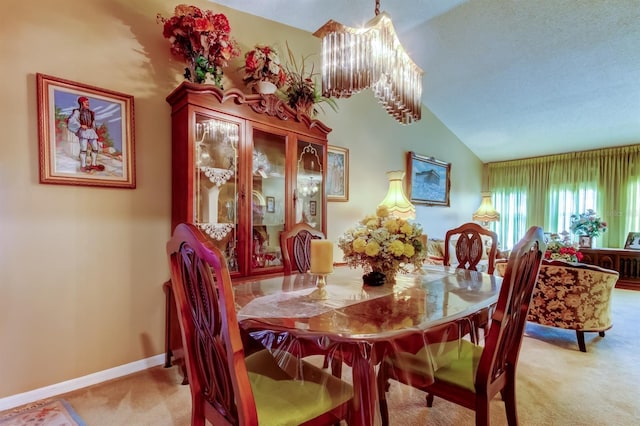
x=229, y=385
x=468, y=374
x=296, y=247
x=473, y=244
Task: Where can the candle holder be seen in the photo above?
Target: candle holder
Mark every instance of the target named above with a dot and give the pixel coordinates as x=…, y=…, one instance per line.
x=320, y=293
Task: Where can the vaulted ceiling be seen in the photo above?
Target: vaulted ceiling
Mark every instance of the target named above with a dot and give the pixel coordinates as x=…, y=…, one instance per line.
x=510, y=78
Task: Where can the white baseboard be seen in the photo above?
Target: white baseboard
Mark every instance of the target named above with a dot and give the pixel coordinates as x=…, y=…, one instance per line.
x=78, y=383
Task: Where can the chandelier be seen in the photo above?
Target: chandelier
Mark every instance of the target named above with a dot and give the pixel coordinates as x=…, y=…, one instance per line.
x=354, y=59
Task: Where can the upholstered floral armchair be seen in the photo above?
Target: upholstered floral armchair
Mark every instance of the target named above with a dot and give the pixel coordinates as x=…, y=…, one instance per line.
x=573, y=296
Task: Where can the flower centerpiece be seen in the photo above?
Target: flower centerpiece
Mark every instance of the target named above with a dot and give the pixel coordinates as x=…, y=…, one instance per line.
x=588, y=224
x=557, y=250
x=263, y=64
x=383, y=244
x=302, y=93
x=203, y=39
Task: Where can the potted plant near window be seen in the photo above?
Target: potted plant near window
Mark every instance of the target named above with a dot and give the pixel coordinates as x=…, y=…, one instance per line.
x=301, y=92
x=587, y=226
x=263, y=69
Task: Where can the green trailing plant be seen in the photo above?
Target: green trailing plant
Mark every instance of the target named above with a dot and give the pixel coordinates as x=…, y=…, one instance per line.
x=301, y=91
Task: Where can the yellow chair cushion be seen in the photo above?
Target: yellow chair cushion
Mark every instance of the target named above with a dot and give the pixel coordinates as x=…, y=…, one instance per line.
x=282, y=400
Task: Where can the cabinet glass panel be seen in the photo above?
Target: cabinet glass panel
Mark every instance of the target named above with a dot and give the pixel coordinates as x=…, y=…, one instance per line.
x=216, y=183
x=267, y=199
x=309, y=184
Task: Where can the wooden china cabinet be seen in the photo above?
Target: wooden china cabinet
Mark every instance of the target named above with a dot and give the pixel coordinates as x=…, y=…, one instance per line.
x=245, y=168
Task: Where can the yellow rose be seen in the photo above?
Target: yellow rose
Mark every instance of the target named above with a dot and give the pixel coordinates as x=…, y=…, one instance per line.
x=409, y=250
x=396, y=248
x=359, y=245
x=382, y=211
x=372, y=223
x=407, y=228
x=368, y=218
x=372, y=248
x=391, y=225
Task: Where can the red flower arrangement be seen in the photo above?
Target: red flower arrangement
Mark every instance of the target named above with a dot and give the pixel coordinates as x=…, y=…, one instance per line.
x=556, y=250
x=201, y=38
x=263, y=64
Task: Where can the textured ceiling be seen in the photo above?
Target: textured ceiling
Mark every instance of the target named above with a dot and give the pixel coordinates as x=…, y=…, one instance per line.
x=510, y=78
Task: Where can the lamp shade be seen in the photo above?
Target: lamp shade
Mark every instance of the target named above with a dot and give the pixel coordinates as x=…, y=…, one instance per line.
x=396, y=201
x=486, y=212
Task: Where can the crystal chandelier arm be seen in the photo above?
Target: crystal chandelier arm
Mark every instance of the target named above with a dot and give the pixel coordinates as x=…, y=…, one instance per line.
x=371, y=57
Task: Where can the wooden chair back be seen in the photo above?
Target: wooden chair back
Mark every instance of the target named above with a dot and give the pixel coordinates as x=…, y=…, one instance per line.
x=470, y=246
x=497, y=365
x=473, y=374
x=296, y=247
x=214, y=352
x=222, y=390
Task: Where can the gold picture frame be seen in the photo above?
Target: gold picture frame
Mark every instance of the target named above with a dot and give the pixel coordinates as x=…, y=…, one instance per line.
x=85, y=134
x=337, y=184
x=428, y=180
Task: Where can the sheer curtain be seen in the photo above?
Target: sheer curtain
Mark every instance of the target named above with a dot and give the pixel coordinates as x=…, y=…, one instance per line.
x=545, y=191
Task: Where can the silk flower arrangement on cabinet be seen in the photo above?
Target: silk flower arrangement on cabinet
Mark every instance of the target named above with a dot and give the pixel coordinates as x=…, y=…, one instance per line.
x=203, y=39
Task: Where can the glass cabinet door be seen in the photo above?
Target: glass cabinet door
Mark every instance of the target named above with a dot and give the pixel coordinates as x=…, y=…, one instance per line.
x=309, y=184
x=267, y=199
x=216, y=183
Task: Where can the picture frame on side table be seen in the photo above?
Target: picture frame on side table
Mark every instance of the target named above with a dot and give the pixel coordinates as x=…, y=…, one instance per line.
x=337, y=185
x=428, y=180
x=85, y=134
x=584, y=241
x=633, y=241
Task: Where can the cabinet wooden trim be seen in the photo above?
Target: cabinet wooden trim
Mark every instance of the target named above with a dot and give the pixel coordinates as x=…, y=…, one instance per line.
x=626, y=262
x=260, y=107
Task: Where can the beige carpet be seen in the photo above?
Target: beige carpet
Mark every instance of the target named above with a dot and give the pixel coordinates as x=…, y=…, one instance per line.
x=557, y=385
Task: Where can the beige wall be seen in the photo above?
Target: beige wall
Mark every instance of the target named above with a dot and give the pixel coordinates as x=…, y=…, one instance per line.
x=81, y=269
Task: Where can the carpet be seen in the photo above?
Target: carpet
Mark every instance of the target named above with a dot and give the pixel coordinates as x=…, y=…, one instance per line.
x=56, y=412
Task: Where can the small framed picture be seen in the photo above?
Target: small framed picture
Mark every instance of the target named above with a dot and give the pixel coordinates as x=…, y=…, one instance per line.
x=85, y=134
x=633, y=241
x=584, y=241
x=271, y=204
x=428, y=180
x=313, y=208
x=337, y=186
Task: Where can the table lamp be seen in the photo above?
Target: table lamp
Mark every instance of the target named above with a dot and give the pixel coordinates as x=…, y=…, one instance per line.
x=486, y=212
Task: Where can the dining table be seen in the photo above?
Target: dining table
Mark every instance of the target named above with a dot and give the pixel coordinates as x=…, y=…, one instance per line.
x=359, y=324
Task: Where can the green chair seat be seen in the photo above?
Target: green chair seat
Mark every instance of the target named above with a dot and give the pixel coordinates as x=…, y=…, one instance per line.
x=453, y=362
x=282, y=400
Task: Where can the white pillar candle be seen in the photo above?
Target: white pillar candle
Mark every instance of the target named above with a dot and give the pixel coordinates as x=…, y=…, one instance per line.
x=321, y=257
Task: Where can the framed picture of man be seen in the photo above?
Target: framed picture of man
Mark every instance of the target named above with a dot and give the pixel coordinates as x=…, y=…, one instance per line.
x=85, y=134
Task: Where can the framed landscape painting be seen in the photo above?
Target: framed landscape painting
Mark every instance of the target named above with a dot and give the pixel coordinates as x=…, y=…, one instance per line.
x=428, y=180
x=85, y=134
x=337, y=186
